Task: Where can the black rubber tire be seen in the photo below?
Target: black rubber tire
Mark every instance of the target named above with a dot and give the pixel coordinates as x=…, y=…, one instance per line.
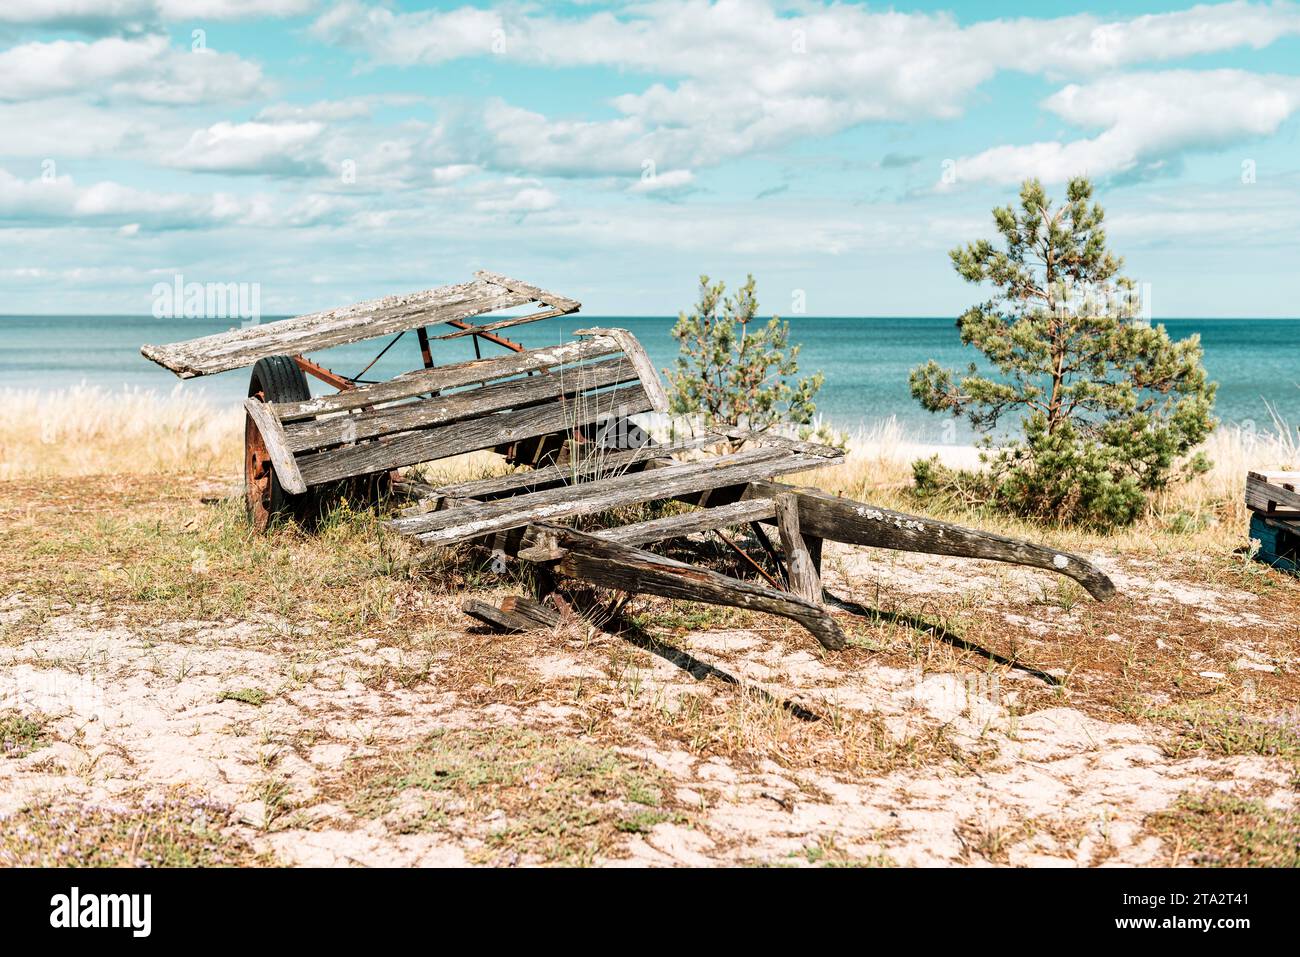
x=275, y=379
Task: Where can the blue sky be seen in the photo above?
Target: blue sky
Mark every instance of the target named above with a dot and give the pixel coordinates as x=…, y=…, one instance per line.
x=335, y=151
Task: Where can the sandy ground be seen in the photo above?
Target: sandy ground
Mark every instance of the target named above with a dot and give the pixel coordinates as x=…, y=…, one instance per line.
x=136, y=709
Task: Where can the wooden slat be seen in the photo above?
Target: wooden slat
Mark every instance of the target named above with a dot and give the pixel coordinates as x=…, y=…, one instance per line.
x=626, y=568
x=599, y=464
x=277, y=446
x=688, y=523
x=464, y=522
x=532, y=292
x=803, y=578
x=515, y=614
x=785, y=442
x=633, y=349
x=321, y=330
x=857, y=523
x=457, y=406
x=448, y=377
x=484, y=432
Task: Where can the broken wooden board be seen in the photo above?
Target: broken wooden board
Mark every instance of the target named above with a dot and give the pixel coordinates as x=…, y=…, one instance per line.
x=623, y=567
x=803, y=577
x=602, y=463
x=514, y=614
x=242, y=347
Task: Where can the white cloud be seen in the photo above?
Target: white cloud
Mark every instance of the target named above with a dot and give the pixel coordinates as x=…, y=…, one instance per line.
x=40, y=201
x=267, y=148
x=1144, y=118
x=99, y=17
x=66, y=128
x=141, y=68
x=672, y=182
x=232, y=9
x=753, y=76
x=60, y=201
x=530, y=199
x=452, y=173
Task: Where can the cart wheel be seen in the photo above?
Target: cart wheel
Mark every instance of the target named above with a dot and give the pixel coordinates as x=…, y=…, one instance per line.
x=274, y=379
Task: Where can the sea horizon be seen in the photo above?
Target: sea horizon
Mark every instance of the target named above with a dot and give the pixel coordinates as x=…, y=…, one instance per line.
x=866, y=371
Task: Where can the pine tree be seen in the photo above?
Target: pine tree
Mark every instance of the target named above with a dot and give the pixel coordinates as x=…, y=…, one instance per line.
x=734, y=372
x=1108, y=404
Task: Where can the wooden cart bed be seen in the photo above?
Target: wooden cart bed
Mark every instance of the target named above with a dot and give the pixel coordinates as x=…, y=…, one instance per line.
x=565, y=410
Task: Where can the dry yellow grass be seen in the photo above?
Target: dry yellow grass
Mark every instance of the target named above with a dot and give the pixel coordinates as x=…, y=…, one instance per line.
x=87, y=430
x=90, y=431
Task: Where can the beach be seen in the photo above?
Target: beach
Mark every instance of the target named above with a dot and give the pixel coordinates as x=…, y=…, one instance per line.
x=320, y=699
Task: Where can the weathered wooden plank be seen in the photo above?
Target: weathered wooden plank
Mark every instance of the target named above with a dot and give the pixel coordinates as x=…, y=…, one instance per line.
x=785, y=442
x=1268, y=492
x=532, y=292
x=591, y=497
x=457, y=406
x=633, y=349
x=334, y=327
x=448, y=377
x=627, y=568
x=484, y=432
x=542, y=615
x=803, y=578
x=857, y=523
x=498, y=619
x=688, y=523
x=597, y=465
x=286, y=469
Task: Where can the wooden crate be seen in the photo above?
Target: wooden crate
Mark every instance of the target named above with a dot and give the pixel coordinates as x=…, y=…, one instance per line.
x=1279, y=542
x=1274, y=502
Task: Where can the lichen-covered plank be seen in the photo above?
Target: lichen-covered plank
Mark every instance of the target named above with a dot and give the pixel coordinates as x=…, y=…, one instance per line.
x=464, y=522
x=334, y=327
x=277, y=446
x=633, y=349
x=858, y=523
x=457, y=406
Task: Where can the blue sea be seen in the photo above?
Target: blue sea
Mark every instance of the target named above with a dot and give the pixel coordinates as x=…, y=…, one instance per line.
x=866, y=361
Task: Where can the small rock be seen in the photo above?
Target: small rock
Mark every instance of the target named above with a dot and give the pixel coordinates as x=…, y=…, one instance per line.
x=1212, y=674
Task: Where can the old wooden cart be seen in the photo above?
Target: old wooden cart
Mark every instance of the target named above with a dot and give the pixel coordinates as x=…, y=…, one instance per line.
x=563, y=412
